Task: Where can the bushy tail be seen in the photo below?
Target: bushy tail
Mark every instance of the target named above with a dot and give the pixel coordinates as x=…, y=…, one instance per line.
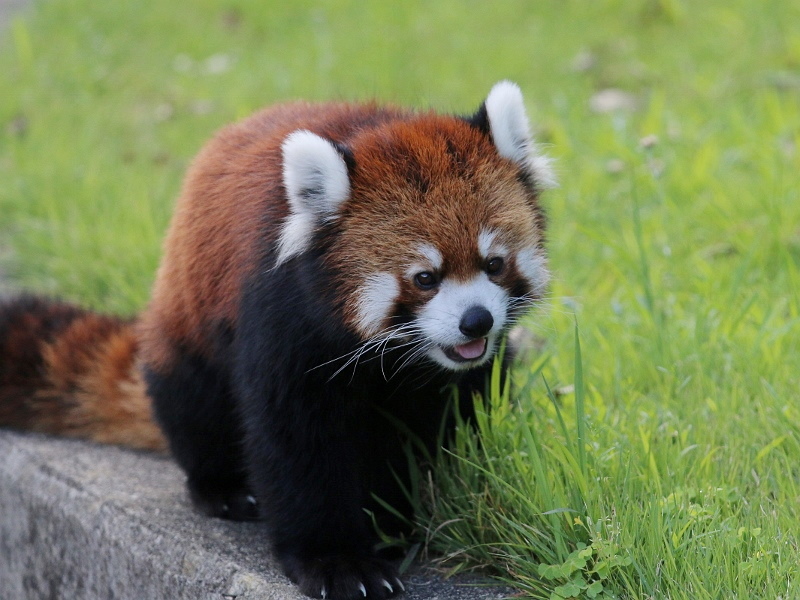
x=71, y=372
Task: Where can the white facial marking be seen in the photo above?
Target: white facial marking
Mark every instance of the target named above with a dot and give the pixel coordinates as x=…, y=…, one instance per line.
x=532, y=265
x=485, y=239
x=511, y=133
x=441, y=317
x=488, y=245
x=432, y=255
x=375, y=301
x=431, y=260
x=316, y=182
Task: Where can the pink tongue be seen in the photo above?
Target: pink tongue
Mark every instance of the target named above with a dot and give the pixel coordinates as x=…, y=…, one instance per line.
x=471, y=350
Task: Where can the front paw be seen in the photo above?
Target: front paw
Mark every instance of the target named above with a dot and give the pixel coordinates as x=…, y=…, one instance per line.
x=344, y=577
x=223, y=502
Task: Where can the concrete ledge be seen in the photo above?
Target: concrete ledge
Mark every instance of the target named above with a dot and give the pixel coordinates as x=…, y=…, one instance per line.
x=97, y=522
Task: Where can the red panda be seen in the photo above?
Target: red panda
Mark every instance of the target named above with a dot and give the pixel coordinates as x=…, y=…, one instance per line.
x=331, y=272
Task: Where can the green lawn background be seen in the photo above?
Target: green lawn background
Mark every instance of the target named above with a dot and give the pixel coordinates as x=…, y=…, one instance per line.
x=665, y=462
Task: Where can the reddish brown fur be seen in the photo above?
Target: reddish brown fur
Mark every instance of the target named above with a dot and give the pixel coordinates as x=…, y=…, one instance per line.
x=69, y=372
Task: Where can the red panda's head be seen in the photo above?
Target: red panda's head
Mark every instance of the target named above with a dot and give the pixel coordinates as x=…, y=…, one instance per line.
x=436, y=228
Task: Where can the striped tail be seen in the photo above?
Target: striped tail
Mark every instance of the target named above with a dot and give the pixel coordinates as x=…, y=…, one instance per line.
x=70, y=372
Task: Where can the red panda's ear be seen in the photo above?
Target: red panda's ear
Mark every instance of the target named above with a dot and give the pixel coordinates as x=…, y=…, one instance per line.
x=316, y=180
x=503, y=116
x=314, y=174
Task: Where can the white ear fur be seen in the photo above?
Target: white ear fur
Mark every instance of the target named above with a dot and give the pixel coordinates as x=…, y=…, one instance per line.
x=511, y=132
x=314, y=174
x=316, y=182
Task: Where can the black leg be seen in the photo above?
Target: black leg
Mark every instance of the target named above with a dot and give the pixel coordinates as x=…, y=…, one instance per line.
x=309, y=465
x=193, y=404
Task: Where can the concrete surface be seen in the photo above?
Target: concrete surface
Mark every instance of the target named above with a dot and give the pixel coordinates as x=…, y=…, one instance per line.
x=80, y=521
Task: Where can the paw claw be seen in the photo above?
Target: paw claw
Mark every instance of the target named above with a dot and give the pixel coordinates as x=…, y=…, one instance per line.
x=329, y=577
x=400, y=584
x=251, y=500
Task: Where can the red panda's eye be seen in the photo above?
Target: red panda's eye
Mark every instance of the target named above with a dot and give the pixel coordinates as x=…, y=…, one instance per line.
x=494, y=266
x=425, y=280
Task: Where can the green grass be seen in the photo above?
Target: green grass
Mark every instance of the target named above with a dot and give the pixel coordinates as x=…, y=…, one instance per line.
x=664, y=461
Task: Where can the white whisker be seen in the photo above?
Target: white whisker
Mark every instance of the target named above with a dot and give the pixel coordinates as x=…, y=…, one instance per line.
x=379, y=342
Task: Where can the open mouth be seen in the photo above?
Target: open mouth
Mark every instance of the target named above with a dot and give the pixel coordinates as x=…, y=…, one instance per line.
x=466, y=352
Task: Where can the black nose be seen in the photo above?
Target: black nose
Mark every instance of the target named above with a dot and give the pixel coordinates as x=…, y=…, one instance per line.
x=476, y=322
